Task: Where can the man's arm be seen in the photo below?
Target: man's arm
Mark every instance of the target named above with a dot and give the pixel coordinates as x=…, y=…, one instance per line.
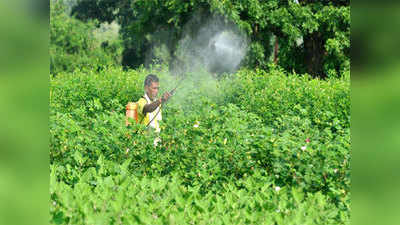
x=148, y=108
x=153, y=106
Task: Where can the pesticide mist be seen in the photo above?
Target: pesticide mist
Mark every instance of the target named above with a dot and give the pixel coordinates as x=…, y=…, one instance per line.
x=216, y=48
x=202, y=56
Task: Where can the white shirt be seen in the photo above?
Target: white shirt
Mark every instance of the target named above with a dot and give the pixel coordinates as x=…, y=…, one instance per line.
x=154, y=123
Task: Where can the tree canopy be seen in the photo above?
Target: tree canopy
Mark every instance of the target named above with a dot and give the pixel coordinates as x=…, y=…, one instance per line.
x=308, y=36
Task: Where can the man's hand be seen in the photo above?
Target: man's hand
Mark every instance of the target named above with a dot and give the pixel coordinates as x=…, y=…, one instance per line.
x=165, y=97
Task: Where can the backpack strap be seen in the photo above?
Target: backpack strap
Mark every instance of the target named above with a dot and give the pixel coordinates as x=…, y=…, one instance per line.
x=145, y=100
x=142, y=112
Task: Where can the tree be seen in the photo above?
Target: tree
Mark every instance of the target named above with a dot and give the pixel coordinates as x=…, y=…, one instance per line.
x=313, y=36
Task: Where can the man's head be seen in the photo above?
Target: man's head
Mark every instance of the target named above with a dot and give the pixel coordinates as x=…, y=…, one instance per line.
x=151, y=86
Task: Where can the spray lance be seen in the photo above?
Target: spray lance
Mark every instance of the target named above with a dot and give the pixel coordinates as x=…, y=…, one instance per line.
x=179, y=83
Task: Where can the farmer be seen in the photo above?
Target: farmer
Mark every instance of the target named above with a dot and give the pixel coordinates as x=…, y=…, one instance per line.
x=149, y=107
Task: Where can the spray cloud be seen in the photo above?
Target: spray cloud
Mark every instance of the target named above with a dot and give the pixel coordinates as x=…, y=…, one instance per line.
x=215, y=46
x=208, y=48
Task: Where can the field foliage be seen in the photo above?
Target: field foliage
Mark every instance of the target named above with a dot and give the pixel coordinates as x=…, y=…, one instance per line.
x=252, y=147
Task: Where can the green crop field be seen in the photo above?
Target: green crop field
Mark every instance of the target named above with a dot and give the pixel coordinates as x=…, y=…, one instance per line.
x=253, y=147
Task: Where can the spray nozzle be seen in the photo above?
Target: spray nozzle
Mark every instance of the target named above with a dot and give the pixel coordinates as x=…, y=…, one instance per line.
x=173, y=90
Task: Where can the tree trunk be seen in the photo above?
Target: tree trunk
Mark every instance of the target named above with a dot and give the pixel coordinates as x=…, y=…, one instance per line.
x=314, y=54
x=276, y=48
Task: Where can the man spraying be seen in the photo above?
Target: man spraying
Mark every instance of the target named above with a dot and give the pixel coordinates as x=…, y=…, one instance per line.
x=147, y=110
x=149, y=107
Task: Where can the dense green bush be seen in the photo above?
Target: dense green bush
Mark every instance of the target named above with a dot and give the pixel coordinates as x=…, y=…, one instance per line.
x=126, y=199
x=73, y=44
x=326, y=104
x=227, y=148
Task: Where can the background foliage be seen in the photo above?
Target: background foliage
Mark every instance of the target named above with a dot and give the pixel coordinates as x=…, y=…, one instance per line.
x=73, y=43
x=312, y=36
